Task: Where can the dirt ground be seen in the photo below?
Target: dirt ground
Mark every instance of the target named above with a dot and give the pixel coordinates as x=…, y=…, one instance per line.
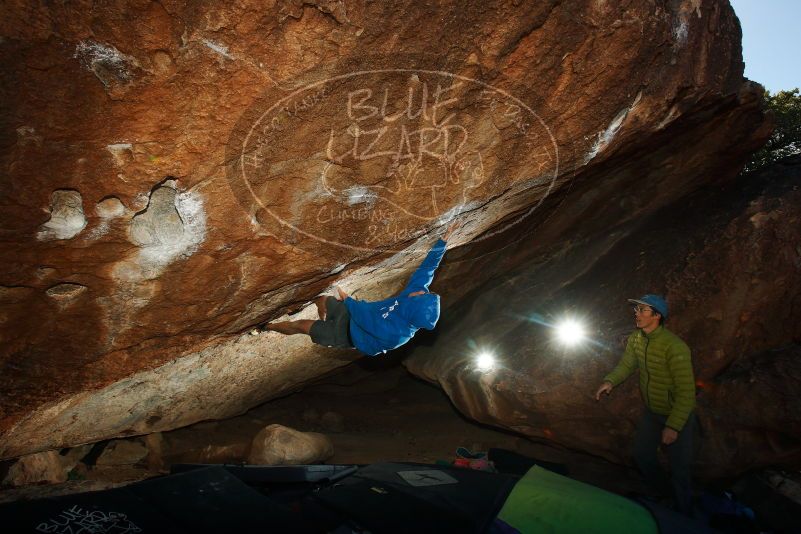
x=381, y=413
x=387, y=414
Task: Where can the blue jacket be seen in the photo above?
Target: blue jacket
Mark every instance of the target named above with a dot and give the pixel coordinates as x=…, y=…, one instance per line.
x=376, y=327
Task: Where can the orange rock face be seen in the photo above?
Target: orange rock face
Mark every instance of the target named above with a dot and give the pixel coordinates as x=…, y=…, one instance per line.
x=175, y=173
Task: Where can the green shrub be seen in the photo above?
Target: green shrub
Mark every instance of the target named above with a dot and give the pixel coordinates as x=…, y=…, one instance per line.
x=786, y=138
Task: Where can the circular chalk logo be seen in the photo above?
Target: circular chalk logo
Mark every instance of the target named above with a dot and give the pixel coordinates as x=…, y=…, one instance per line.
x=370, y=160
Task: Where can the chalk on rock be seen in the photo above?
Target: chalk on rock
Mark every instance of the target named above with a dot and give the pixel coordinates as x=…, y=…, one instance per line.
x=64, y=294
x=109, y=208
x=66, y=216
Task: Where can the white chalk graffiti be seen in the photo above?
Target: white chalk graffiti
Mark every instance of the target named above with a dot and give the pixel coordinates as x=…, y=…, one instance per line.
x=417, y=144
x=76, y=520
x=398, y=150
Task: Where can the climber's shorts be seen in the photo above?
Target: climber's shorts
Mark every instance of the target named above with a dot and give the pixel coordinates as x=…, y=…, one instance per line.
x=335, y=330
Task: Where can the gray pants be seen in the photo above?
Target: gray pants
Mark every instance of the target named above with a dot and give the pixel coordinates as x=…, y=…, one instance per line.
x=334, y=331
x=680, y=456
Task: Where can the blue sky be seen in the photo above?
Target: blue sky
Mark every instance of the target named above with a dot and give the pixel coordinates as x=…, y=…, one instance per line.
x=771, y=47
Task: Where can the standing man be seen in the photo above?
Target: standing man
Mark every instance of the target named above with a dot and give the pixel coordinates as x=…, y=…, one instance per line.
x=667, y=387
x=375, y=327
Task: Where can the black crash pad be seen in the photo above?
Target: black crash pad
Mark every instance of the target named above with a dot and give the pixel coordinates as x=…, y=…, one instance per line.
x=198, y=501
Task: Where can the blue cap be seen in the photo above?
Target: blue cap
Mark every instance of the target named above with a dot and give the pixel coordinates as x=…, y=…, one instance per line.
x=657, y=302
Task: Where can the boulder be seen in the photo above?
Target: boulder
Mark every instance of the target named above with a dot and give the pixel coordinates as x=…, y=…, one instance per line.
x=44, y=467
x=178, y=173
x=280, y=445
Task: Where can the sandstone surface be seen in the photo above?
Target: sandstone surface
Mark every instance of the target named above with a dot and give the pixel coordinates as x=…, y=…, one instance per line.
x=49, y=467
x=176, y=173
x=280, y=445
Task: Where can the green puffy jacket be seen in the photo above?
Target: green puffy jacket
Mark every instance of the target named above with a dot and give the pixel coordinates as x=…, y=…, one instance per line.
x=667, y=384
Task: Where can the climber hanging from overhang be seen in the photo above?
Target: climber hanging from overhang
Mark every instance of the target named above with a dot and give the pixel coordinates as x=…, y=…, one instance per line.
x=375, y=327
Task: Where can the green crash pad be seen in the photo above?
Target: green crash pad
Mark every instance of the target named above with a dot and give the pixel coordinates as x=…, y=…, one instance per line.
x=543, y=501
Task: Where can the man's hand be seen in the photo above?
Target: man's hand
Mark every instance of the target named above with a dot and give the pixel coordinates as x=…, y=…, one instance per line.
x=341, y=295
x=669, y=436
x=454, y=225
x=606, y=388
